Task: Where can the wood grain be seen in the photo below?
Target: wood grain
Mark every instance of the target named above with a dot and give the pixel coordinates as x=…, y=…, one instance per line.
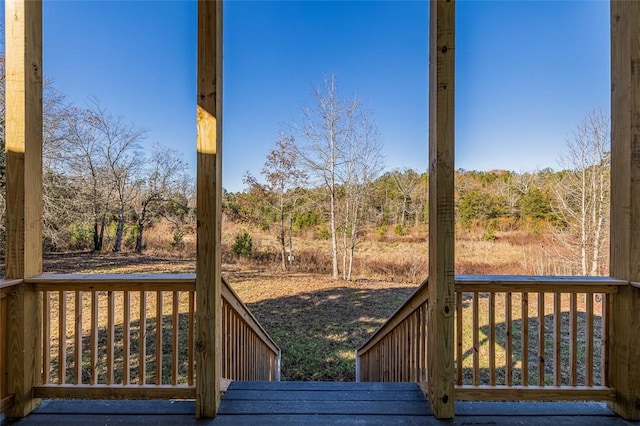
x=209, y=199
x=441, y=208
x=109, y=392
x=534, y=393
x=624, y=369
x=23, y=156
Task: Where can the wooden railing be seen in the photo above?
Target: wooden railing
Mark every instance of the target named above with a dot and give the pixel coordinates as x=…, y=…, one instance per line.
x=132, y=337
x=248, y=353
x=397, y=350
x=6, y=287
x=517, y=338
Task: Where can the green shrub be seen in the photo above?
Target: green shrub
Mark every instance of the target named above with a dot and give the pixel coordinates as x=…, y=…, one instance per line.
x=382, y=231
x=178, y=239
x=324, y=233
x=398, y=230
x=243, y=245
x=80, y=236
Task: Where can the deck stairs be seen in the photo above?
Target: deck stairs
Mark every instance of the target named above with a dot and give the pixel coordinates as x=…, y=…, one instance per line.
x=326, y=403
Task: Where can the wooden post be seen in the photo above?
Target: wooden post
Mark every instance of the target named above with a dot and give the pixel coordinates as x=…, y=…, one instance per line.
x=209, y=210
x=440, y=354
x=624, y=354
x=23, y=145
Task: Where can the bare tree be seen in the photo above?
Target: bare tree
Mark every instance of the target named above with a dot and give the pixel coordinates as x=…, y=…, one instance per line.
x=283, y=175
x=85, y=162
x=363, y=164
x=164, y=179
x=119, y=144
x=406, y=182
x=582, y=193
x=326, y=132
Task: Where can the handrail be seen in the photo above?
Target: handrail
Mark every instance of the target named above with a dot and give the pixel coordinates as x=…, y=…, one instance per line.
x=230, y=295
x=396, y=350
x=536, y=283
x=415, y=300
x=113, y=282
x=124, y=296
x=7, y=284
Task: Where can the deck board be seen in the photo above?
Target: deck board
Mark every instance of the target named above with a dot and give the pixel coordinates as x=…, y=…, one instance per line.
x=325, y=406
x=318, y=403
x=307, y=395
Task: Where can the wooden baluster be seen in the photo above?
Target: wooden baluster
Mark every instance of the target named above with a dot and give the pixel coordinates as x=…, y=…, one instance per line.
x=159, y=313
x=525, y=339
x=254, y=366
x=394, y=355
x=225, y=310
x=110, y=337
x=126, y=338
x=588, y=380
x=77, y=362
x=142, y=344
x=573, y=339
x=236, y=352
x=541, y=340
x=414, y=347
x=243, y=351
x=425, y=343
x=175, y=323
x=94, y=337
x=492, y=339
x=475, y=312
x=236, y=345
x=46, y=337
x=400, y=356
x=459, y=338
x=509, y=344
x=422, y=356
x=557, y=339
x=229, y=337
x=604, y=364
x=191, y=331
x=62, y=338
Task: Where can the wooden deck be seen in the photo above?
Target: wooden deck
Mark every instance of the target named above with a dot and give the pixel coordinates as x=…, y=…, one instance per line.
x=317, y=403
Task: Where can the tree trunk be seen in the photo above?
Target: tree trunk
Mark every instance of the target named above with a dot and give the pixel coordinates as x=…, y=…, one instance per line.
x=334, y=237
x=283, y=250
x=139, y=237
x=141, y=222
x=117, y=247
x=97, y=244
x=103, y=225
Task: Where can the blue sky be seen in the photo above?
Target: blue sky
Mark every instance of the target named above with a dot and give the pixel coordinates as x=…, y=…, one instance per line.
x=527, y=72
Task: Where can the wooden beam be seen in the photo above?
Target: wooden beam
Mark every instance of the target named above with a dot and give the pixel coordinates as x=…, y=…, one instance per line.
x=23, y=145
x=624, y=369
x=209, y=210
x=534, y=393
x=114, y=392
x=440, y=353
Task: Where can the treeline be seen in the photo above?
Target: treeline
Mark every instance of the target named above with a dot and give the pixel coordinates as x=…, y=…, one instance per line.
x=570, y=207
x=399, y=201
x=103, y=184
